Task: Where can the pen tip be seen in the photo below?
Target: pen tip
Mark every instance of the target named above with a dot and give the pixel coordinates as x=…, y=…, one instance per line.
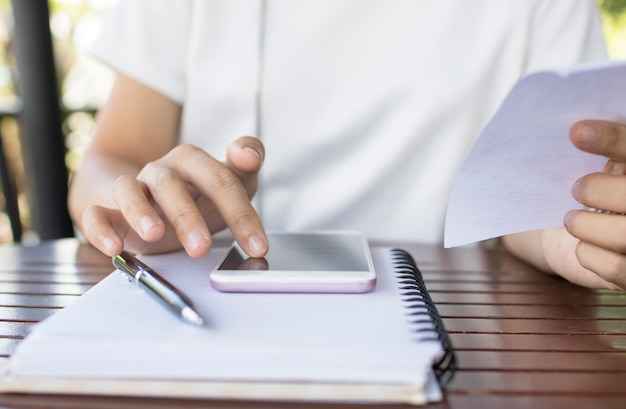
x=192, y=317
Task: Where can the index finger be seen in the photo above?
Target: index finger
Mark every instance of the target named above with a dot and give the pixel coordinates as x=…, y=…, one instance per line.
x=227, y=192
x=601, y=137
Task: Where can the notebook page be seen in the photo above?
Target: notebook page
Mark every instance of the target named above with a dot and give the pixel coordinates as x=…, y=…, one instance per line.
x=115, y=330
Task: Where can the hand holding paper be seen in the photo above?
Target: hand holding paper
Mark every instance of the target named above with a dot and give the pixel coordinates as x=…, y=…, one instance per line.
x=525, y=173
x=520, y=173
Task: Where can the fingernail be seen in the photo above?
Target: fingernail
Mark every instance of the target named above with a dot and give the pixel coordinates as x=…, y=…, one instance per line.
x=567, y=218
x=195, y=239
x=575, y=190
x=147, y=222
x=256, y=245
x=586, y=134
x=254, y=151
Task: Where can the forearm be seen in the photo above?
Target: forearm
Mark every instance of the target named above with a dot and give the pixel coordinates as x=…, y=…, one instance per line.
x=554, y=251
x=528, y=246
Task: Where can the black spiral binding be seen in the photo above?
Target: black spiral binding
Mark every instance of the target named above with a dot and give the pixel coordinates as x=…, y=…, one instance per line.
x=423, y=312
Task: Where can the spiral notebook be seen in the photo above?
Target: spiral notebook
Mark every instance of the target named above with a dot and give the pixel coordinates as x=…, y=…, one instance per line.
x=388, y=345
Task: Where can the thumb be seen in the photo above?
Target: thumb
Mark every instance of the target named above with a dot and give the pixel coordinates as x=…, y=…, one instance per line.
x=245, y=157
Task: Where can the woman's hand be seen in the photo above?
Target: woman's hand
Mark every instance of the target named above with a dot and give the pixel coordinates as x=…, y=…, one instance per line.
x=591, y=249
x=138, y=190
x=180, y=199
x=601, y=228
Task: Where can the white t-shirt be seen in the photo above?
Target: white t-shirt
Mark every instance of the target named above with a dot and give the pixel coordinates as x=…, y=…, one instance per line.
x=367, y=107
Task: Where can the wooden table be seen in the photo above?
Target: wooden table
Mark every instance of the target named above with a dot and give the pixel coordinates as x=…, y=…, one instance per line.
x=523, y=339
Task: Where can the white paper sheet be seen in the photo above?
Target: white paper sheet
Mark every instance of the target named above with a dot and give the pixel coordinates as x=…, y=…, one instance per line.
x=520, y=172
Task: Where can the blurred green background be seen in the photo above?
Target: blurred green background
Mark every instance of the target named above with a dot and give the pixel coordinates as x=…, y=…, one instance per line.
x=84, y=84
x=614, y=23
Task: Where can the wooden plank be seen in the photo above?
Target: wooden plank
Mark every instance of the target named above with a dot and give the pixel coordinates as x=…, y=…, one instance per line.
x=453, y=400
x=449, y=276
x=104, y=402
x=539, y=342
x=539, y=401
x=464, y=259
x=561, y=298
x=566, y=383
x=530, y=311
x=500, y=287
x=559, y=361
x=536, y=326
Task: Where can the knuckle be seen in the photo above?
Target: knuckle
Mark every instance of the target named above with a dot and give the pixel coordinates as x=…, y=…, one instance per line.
x=122, y=187
x=610, y=266
x=92, y=231
x=160, y=178
x=184, y=150
x=129, y=208
x=91, y=211
x=243, y=219
x=94, y=222
x=615, y=134
x=149, y=169
x=89, y=218
x=162, y=182
x=183, y=216
x=121, y=183
x=223, y=179
x=618, y=237
x=621, y=132
x=614, y=269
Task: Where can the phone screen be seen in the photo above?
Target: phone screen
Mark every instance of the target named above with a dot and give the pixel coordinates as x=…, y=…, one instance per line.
x=300, y=262
x=304, y=252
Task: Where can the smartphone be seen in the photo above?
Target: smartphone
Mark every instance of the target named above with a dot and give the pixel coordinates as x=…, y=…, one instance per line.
x=311, y=262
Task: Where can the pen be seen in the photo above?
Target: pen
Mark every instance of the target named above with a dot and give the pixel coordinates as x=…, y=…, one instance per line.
x=158, y=287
